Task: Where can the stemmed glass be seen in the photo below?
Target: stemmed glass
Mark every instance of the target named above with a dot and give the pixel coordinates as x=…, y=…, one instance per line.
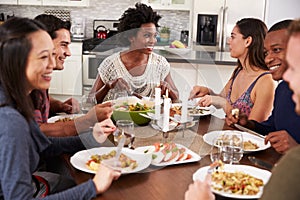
x=232, y=147
x=87, y=102
x=126, y=128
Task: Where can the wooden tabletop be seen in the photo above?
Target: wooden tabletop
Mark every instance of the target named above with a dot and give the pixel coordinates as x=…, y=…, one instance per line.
x=171, y=182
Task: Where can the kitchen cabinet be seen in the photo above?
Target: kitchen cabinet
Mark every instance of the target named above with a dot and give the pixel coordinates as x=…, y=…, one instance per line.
x=78, y=3
x=10, y=2
x=187, y=75
x=69, y=80
x=228, y=13
x=30, y=2
x=169, y=4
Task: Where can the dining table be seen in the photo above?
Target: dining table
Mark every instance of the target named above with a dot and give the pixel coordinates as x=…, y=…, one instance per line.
x=169, y=182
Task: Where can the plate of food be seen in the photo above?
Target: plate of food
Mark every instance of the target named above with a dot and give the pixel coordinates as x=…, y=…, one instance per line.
x=196, y=111
x=252, y=143
x=131, y=161
x=236, y=181
x=63, y=118
x=170, y=153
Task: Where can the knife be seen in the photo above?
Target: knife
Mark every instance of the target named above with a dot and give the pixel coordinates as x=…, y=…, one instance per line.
x=260, y=163
x=248, y=131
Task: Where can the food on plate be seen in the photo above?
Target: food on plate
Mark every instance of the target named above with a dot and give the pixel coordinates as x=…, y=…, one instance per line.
x=167, y=152
x=125, y=161
x=249, y=145
x=133, y=107
x=177, y=44
x=236, y=182
x=65, y=119
x=175, y=110
x=235, y=113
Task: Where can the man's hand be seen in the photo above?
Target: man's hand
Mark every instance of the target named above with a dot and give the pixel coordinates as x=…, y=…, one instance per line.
x=281, y=141
x=198, y=91
x=70, y=106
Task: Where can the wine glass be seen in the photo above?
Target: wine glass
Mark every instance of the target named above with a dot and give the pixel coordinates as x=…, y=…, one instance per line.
x=119, y=97
x=126, y=128
x=87, y=102
x=232, y=147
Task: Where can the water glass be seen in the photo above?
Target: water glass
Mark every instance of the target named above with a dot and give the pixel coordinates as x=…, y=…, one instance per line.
x=87, y=102
x=216, y=150
x=126, y=128
x=232, y=147
x=119, y=97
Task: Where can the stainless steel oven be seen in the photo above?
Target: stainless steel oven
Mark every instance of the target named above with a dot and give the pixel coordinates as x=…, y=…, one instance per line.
x=90, y=64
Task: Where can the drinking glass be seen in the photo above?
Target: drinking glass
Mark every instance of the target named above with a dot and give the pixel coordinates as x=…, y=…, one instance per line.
x=87, y=102
x=126, y=128
x=216, y=150
x=232, y=147
x=120, y=97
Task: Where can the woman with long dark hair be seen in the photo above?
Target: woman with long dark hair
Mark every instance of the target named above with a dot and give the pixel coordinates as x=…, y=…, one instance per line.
x=26, y=63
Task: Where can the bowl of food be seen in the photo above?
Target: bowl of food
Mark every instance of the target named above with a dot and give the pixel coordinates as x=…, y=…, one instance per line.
x=129, y=108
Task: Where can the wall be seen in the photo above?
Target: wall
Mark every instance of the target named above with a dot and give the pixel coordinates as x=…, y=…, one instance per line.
x=100, y=9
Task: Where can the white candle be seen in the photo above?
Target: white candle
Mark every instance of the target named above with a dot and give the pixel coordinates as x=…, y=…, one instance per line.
x=166, y=116
x=184, y=106
x=157, y=103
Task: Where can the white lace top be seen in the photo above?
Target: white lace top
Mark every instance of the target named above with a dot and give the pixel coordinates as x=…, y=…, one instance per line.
x=156, y=70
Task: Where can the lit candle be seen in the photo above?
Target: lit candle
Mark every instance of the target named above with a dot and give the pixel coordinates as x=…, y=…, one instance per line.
x=157, y=102
x=184, y=105
x=166, y=116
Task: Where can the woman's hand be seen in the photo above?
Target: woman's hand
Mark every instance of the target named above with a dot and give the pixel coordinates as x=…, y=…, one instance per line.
x=199, y=191
x=198, y=91
x=103, y=129
x=118, y=83
x=104, y=178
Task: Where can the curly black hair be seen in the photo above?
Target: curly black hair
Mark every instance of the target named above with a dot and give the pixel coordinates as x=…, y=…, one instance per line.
x=133, y=18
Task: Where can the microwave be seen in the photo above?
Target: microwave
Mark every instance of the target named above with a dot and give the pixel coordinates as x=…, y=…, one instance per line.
x=90, y=64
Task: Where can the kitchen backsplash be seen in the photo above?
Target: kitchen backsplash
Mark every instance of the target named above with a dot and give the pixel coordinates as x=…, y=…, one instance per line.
x=176, y=20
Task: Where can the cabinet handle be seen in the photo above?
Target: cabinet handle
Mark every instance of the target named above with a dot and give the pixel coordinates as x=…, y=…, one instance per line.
x=225, y=28
x=221, y=28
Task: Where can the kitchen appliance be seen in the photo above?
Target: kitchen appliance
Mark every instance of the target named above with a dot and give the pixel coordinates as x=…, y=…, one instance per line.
x=78, y=27
x=184, y=37
x=102, y=32
x=96, y=49
x=225, y=13
x=207, y=29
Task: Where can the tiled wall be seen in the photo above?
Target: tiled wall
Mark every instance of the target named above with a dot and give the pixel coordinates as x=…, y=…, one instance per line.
x=100, y=9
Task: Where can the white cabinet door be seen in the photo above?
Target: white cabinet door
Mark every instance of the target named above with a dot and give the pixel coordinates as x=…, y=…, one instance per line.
x=169, y=4
x=79, y=3
x=30, y=2
x=69, y=80
x=184, y=76
x=10, y=2
x=72, y=76
x=214, y=76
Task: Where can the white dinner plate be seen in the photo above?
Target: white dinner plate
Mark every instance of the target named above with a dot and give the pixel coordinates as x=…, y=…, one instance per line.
x=79, y=159
x=150, y=150
x=204, y=110
x=58, y=117
x=253, y=171
x=210, y=136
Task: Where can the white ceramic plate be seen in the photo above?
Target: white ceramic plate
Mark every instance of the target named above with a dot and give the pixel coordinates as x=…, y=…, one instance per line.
x=55, y=118
x=253, y=171
x=204, y=111
x=178, y=51
x=80, y=159
x=150, y=150
x=209, y=137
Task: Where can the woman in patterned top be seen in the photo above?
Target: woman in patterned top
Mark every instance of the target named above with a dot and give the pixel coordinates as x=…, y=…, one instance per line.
x=137, y=68
x=251, y=87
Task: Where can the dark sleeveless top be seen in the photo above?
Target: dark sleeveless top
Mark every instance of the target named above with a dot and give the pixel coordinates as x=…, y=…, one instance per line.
x=244, y=102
